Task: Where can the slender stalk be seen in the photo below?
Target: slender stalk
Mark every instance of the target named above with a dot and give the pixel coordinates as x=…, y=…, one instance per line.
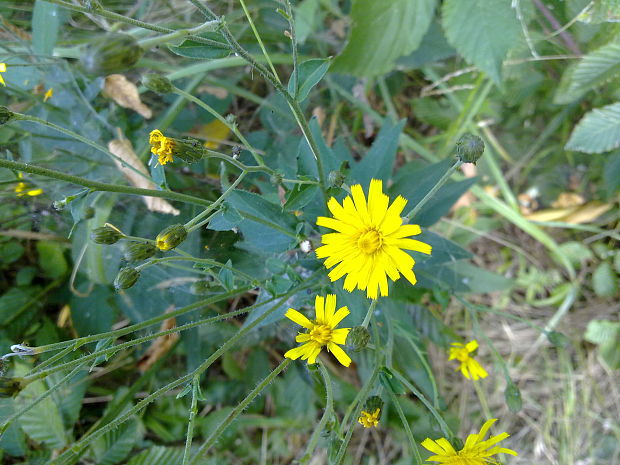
x=206, y=261
x=193, y=410
x=369, y=313
x=361, y=395
x=291, y=22
x=403, y=419
x=259, y=40
x=39, y=399
x=435, y=188
x=329, y=410
x=153, y=41
x=224, y=121
x=101, y=186
x=238, y=410
x=75, y=135
x=483, y=400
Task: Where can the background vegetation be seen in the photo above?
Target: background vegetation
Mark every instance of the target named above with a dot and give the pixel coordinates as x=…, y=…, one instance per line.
x=525, y=258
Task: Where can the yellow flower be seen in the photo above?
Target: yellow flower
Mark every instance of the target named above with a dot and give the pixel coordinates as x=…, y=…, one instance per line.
x=321, y=331
x=22, y=189
x=368, y=420
x=369, y=241
x=476, y=450
x=161, y=146
x=48, y=95
x=2, y=70
x=469, y=366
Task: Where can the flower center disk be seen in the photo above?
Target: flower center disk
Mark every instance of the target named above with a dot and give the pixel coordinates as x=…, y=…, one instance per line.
x=370, y=241
x=321, y=334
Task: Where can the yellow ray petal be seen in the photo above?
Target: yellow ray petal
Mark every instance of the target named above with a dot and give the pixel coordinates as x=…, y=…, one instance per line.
x=298, y=318
x=319, y=308
x=340, y=354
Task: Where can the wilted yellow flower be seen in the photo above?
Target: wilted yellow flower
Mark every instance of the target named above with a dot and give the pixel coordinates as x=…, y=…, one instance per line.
x=369, y=241
x=321, y=331
x=170, y=237
x=476, y=450
x=470, y=368
x=369, y=420
x=22, y=189
x=48, y=95
x=161, y=146
x=2, y=70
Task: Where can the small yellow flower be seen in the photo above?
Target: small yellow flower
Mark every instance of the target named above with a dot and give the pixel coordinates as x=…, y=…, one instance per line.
x=161, y=146
x=470, y=368
x=369, y=420
x=369, y=242
x=476, y=450
x=48, y=95
x=321, y=331
x=2, y=70
x=170, y=237
x=22, y=189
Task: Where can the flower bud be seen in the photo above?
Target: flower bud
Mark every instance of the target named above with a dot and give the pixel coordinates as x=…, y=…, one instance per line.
x=336, y=178
x=171, y=237
x=126, y=278
x=358, y=338
x=138, y=251
x=10, y=387
x=512, y=394
x=106, y=234
x=469, y=148
x=167, y=148
x=157, y=83
x=6, y=115
x=114, y=53
x=373, y=403
x=276, y=178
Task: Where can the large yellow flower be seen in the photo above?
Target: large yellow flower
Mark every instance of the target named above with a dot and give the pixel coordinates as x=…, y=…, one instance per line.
x=470, y=368
x=476, y=450
x=369, y=241
x=321, y=331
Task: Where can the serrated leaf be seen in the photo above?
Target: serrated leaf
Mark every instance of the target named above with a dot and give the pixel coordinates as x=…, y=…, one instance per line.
x=382, y=32
x=158, y=456
x=300, y=196
x=605, y=280
x=593, y=70
x=482, y=31
x=193, y=49
x=598, y=131
x=310, y=73
x=116, y=444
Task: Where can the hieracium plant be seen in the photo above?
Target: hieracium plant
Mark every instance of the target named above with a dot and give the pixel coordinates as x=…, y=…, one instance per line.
x=280, y=249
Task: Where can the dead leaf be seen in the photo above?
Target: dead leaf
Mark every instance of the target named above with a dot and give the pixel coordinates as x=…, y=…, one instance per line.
x=125, y=93
x=122, y=149
x=574, y=215
x=160, y=346
x=218, y=92
x=568, y=199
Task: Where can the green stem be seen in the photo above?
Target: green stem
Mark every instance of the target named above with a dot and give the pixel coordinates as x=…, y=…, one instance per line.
x=153, y=41
x=101, y=186
x=405, y=422
x=238, y=410
x=224, y=121
x=329, y=410
x=193, y=410
x=206, y=261
x=435, y=188
x=483, y=400
x=291, y=22
x=259, y=40
x=361, y=396
x=369, y=313
x=39, y=399
x=75, y=135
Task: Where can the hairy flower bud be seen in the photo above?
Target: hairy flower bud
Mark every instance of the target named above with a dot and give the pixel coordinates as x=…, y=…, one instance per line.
x=126, y=278
x=171, y=237
x=336, y=178
x=138, y=251
x=6, y=115
x=469, y=148
x=157, y=83
x=512, y=394
x=106, y=234
x=358, y=338
x=113, y=53
x=10, y=387
x=373, y=403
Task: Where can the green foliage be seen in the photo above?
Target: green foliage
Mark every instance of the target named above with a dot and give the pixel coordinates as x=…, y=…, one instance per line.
x=598, y=131
x=306, y=76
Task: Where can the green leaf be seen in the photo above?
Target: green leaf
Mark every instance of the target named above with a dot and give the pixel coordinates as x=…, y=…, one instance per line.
x=605, y=334
x=382, y=32
x=46, y=19
x=482, y=32
x=306, y=19
x=594, y=69
x=193, y=49
x=115, y=445
x=43, y=422
x=379, y=161
x=598, y=131
x=300, y=196
x=605, y=280
x=310, y=73
x=226, y=277
x=158, y=456
x=10, y=252
x=52, y=259
x=601, y=11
